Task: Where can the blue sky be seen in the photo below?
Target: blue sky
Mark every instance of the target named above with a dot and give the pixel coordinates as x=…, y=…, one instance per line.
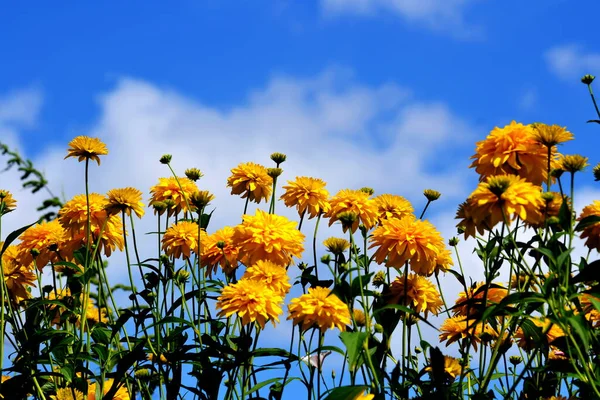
x=391, y=94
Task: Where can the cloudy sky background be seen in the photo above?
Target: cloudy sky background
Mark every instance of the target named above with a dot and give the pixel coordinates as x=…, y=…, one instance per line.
x=391, y=94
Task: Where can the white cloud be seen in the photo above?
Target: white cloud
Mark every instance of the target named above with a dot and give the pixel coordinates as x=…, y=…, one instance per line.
x=572, y=61
x=528, y=99
x=438, y=15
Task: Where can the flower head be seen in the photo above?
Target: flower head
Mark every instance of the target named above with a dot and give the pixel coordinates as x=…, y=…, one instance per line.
x=49, y=239
x=552, y=330
x=472, y=302
x=251, y=180
x=573, y=163
x=513, y=150
x=272, y=276
x=456, y=328
x=431, y=195
x=353, y=201
x=251, y=301
x=319, y=308
x=85, y=148
x=168, y=189
x=201, y=199
x=121, y=394
x=268, y=237
x=7, y=202
x=225, y=255
x=68, y=394
x=336, y=245
x=591, y=232
x=17, y=276
x=408, y=239
x=452, y=367
x=307, y=195
x=182, y=238
x=550, y=135
x=467, y=224
x=126, y=199
x=392, y=206
x=193, y=174
x=419, y=293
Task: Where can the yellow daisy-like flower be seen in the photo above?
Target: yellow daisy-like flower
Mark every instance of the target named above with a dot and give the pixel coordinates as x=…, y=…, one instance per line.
x=452, y=367
x=319, y=308
x=392, y=206
x=251, y=180
x=219, y=249
x=251, y=301
x=272, y=276
x=126, y=199
x=268, y=237
x=467, y=220
x=551, y=207
x=307, y=195
x=591, y=232
x=550, y=135
x=49, y=239
x=336, y=245
x=121, y=394
x=68, y=394
x=17, y=276
x=73, y=214
x=92, y=312
x=592, y=314
x=573, y=163
x=456, y=328
x=506, y=195
x=528, y=344
x=182, y=238
x=409, y=239
x=356, y=202
x=465, y=305
x=364, y=396
x=86, y=148
x=7, y=202
x=168, y=189
x=420, y=294
x=513, y=150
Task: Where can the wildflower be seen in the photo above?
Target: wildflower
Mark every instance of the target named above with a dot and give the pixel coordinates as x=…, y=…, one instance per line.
x=392, y=206
x=251, y=180
x=68, y=394
x=515, y=360
x=121, y=394
x=307, y=195
x=573, y=163
x=550, y=135
x=360, y=319
x=408, y=239
x=126, y=199
x=452, y=367
x=470, y=303
x=85, y=148
x=218, y=249
x=278, y=158
x=336, y=245
x=193, y=174
x=182, y=238
x=17, y=276
x=456, y=328
x=513, y=150
x=201, y=199
x=419, y=294
x=368, y=190
x=354, y=201
x=591, y=232
x=73, y=216
x=268, y=237
x=431, y=195
x=505, y=196
x=272, y=276
x=348, y=218
x=43, y=237
x=467, y=223
x=251, y=301
x=552, y=204
x=111, y=239
x=7, y=202
x=168, y=189
x=592, y=314
x=319, y=308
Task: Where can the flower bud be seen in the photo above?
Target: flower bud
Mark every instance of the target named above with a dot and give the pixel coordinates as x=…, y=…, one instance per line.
x=166, y=158
x=193, y=174
x=588, y=79
x=453, y=242
x=278, y=158
x=431, y=195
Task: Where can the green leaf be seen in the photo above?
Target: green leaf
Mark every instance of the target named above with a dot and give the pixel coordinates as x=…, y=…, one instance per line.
x=565, y=215
x=14, y=235
x=586, y=222
x=346, y=392
x=263, y=384
x=354, y=342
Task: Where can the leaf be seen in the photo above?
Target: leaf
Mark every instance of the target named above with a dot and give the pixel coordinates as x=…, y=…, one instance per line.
x=263, y=384
x=589, y=273
x=594, y=120
x=354, y=342
x=14, y=235
x=346, y=392
x=565, y=215
x=586, y=222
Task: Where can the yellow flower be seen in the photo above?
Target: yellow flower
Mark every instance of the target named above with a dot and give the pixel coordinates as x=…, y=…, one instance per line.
x=218, y=249
x=452, y=367
x=592, y=232
x=168, y=189
x=551, y=207
x=456, y=328
x=420, y=294
x=268, y=237
x=364, y=396
x=127, y=199
x=74, y=213
x=68, y=394
x=121, y=394
x=513, y=150
x=251, y=180
x=92, y=312
x=251, y=301
x=472, y=303
x=550, y=135
x=49, y=239
x=182, y=238
x=272, y=276
x=7, y=202
x=202, y=198
x=111, y=240
x=307, y=194
x=319, y=308
x=336, y=245
x=506, y=195
x=17, y=276
x=592, y=314
x=467, y=223
x=553, y=333
x=392, y=206
x=359, y=317
x=573, y=163
x=85, y=148
x=353, y=201
x=409, y=239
